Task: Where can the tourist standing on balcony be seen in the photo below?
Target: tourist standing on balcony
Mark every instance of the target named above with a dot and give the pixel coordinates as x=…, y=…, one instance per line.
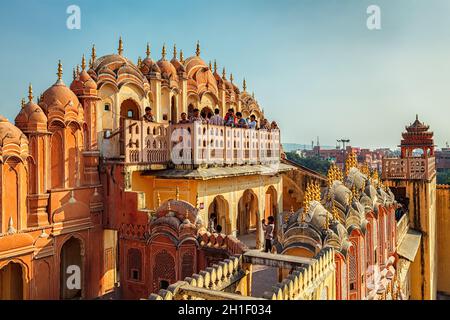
x=252, y=123
x=241, y=122
x=274, y=126
x=230, y=118
x=148, y=116
x=196, y=117
x=264, y=125
x=216, y=119
x=184, y=118
x=268, y=233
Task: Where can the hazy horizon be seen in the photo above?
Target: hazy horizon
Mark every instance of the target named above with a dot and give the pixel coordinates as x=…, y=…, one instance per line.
x=314, y=66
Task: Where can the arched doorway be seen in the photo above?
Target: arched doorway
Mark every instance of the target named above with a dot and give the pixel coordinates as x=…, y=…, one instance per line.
x=71, y=270
x=11, y=282
x=129, y=109
x=173, y=110
x=219, y=206
x=248, y=219
x=271, y=206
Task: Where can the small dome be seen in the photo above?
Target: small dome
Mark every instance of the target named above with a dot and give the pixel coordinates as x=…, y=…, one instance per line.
x=12, y=140
x=149, y=66
x=59, y=98
x=83, y=84
x=168, y=70
x=31, y=118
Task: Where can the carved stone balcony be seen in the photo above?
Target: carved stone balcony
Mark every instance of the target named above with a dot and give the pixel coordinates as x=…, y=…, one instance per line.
x=196, y=144
x=414, y=168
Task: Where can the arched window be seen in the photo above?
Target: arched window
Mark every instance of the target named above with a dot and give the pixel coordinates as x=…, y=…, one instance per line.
x=57, y=161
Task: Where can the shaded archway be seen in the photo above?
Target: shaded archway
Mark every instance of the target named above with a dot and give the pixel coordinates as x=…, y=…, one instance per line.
x=247, y=224
x=220, y=207
x=129, y=109
x=11, y=282
x=71, y=270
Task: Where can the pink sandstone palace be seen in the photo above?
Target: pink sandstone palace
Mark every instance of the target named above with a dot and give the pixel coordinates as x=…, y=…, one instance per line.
x=90, y=189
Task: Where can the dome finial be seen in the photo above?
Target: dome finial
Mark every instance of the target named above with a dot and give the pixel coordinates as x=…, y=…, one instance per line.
x=181, y=56
x=83, y=63
x=174, y=51
x=78, y=70
x=215, y=66
x=253, y=95
x=163, y=53
x=224, y=73
x=197, y=50
x=60, y=70
x=210, y=65
x=148, y=50
x=231, y=77
x=417, y=117
x=139, y=62
x=93, y=54
x=30, y=93
x=74, y=75
x=120, y=50
x=244, y=85
x=22, y=103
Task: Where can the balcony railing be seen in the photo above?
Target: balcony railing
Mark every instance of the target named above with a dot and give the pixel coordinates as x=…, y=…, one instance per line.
x=416, y=168
x=198, y=144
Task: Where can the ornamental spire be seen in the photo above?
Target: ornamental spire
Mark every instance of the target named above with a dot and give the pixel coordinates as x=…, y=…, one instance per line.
x=175, y=52
x=163, y=53
x=197, y=50
x=83, y=63
x=120, y=49
x=93, y=54
x=60, y=70
x=224, y=73
x=22, y=103
x=210, y=65
x=231, y=77
x=181, y=56
x=74, y=74
x=148, y=50
x=30, y=93
x=244, y=85
x=215, y=66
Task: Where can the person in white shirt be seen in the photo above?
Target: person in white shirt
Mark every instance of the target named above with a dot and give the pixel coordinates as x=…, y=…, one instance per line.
x=216, y=119
x=252, y=123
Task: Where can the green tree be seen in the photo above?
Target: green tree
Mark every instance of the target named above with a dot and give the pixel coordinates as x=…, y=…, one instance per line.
x=313, y=163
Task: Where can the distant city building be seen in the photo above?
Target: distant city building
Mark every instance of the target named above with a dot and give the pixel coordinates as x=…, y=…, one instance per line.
x=373, y=158
x=443, y=159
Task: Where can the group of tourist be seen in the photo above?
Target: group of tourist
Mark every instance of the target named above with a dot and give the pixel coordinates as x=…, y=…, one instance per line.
x=231, y=119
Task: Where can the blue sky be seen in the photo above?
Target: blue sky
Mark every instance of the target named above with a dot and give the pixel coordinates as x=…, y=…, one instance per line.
x=313, y=64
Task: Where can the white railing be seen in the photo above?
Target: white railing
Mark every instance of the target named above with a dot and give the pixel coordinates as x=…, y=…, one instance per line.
x=197, y=144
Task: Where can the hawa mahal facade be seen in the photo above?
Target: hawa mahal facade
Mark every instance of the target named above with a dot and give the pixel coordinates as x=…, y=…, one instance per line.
x=93, y=203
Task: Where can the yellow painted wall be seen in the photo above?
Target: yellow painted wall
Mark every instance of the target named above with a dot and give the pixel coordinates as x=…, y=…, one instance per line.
x=422, y=217
x=443, y=235
x=231, y=189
